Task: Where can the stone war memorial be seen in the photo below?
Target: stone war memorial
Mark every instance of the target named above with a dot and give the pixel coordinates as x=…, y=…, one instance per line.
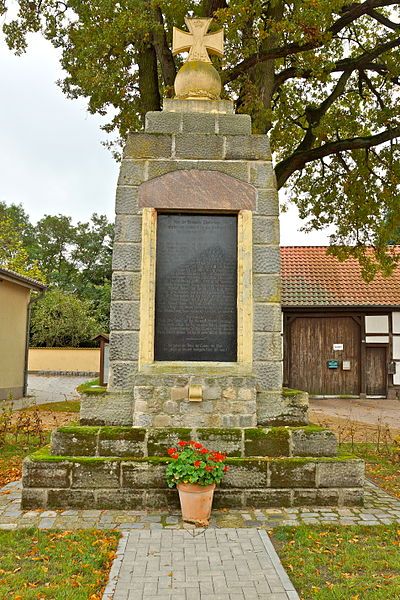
x=195, y=340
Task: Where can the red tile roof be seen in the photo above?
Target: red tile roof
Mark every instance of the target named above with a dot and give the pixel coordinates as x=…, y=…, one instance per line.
x=311, y=277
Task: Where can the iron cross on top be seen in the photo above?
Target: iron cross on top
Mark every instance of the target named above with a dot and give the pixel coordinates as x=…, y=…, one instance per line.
x=198, y=42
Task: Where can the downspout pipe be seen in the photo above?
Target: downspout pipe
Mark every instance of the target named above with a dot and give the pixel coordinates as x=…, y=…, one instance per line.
x=32, y=301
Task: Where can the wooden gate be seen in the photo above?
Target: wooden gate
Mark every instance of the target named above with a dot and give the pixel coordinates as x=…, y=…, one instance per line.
x=309, y=347
x=376, y=370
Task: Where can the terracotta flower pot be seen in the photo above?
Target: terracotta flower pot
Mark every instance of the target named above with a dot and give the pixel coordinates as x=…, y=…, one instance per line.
x=196, y=501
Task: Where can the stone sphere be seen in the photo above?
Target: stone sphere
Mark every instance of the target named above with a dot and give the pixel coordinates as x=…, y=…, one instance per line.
x=198, y=79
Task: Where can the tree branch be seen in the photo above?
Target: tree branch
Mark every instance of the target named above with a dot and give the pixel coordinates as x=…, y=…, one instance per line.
x=384, y=20
x=351, y=15
x=298, y=160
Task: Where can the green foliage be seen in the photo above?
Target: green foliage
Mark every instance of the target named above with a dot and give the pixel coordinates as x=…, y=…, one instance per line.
x=346, y=562
x=92, y=388
x=62, y=319
x=193, y=463
x=321, y=76
x=55, y=564
x=13, y=255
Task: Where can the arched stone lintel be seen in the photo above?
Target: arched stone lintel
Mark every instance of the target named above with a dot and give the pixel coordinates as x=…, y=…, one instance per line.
x=197, y=190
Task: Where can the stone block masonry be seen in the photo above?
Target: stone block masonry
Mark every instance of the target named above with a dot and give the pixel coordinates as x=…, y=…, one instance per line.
x=180, y=142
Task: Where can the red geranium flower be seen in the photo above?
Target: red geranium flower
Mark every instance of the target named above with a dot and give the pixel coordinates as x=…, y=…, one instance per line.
x=204, y=451
x=198, y=445
x=175, y=456
x=182, y=443
x=209, y=468
x=192, y=443
x=226, y=469
x=197, y=463
x=171, y=451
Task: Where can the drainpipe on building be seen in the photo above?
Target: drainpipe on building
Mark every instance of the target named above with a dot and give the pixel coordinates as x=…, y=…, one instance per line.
x=28, y=324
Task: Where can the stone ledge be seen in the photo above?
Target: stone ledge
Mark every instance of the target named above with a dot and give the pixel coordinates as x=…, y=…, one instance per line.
x=156, y=499
x=140, y=442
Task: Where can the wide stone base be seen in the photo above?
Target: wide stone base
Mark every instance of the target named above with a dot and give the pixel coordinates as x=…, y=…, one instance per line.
x=115, y=483
x=124, y=468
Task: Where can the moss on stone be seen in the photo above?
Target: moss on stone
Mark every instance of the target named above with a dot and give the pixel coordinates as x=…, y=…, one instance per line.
x=226, y=434
x=44, y=455
x=80, y=430
x=136, y=434
x=267, y=442
x=92, y=388
x=286, y=392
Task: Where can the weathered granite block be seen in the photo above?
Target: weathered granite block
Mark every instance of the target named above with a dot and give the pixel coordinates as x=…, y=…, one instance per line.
x=267, y=346
x=132, y=172
x=205, y=146
x=289, y=407
x=163, y=122
x=234, y=125
x=145, y=145
x=33, y=498
x=126, y=201
x=126, y=257
x=46, y=475
x=267, y=317
x=143, y=475
x=346, y=474
x=246, y=147
x=121, y=378
x=268, y=202
x=125, y=286
x=124, y=345
x=313, y=443
x=122, y=499
x=117, y=441
x=124, y=316
x=267, y=498
x=265, y=230
x=262, y=174
x=199, y=123
x=304, y=497
x=74, y=441
x=160, y=439
x=228, y=441
x=266, y=288
x=109, y=409
x=128, y=228
x=70, y=499
x=269, y=375
x=161, y=500
x=90, y=475
x=247, y=474
x=351, y=497
x=267, y=442
x=266, y=259
x=289, y=473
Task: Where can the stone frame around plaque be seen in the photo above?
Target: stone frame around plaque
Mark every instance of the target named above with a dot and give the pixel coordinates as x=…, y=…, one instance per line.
x=243, y=365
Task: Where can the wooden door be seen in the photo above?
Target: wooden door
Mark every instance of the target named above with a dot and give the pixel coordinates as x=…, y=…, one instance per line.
x=376, y=370
x=310, y=347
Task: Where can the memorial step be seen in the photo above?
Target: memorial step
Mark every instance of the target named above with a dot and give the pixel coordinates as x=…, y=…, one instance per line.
x=140, y=442
x=135, y=484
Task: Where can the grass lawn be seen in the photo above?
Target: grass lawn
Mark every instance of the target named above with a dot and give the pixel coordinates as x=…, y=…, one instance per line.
x=12, y=454
x=55, y=565
x=92, y=388
x=341, y=563
x=379, y=465
x=71, y=406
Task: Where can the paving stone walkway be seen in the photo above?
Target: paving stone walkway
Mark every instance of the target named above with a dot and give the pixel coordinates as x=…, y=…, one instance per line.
x=211, y=564
x=379, y=507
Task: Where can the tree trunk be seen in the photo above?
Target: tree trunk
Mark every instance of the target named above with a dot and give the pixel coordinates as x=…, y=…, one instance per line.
x=164, y=54
x=148, y=80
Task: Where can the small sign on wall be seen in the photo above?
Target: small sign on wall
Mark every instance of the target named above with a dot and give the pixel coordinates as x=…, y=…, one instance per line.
x=337, y=347
x=346, y=365
x=333, y=364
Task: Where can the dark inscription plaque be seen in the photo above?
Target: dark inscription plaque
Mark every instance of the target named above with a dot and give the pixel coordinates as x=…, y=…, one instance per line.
x=196, y=288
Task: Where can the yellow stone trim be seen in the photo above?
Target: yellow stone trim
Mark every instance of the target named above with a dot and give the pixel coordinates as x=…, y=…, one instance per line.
x=243, y=366
x=147, y=286
x=245, y=288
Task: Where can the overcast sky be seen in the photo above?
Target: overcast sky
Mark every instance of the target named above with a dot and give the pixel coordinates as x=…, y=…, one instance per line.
x=51, y=157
